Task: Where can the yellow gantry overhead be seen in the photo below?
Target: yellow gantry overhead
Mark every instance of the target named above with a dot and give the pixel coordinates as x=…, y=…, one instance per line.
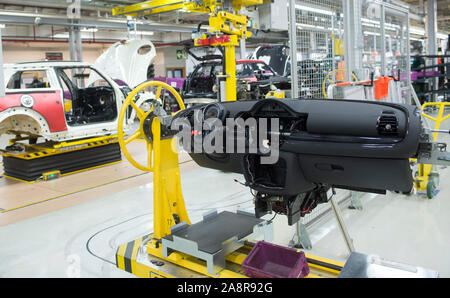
x=199, y=6
x=225, y=15
x=159, y=6
x=225, y=20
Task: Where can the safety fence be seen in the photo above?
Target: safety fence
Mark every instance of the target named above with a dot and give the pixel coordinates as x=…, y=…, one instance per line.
x=319, y=43
x=378, y=47
x=378, y=52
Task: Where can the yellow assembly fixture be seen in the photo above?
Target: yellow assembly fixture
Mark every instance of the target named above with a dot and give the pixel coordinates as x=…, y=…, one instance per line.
x=33, y=151
x=426, y=180
x=226, y=27
x=147, y=256
x=50, y=160
x=144, y=257
x=276, y=94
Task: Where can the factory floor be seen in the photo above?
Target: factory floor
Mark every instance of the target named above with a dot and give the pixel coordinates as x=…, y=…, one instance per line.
x=71, y=226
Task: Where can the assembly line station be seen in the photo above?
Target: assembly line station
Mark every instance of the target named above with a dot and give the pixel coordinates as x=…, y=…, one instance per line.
x=172, y=138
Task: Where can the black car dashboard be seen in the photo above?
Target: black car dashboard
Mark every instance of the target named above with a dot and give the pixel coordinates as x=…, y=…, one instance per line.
x=357, y=145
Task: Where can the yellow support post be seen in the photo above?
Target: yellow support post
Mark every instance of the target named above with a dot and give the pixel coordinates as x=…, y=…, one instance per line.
x=168, y=202
x=230, y=68
x=422, y=182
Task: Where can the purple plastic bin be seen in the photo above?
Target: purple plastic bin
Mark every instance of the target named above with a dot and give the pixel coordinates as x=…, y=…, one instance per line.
x=267, y=260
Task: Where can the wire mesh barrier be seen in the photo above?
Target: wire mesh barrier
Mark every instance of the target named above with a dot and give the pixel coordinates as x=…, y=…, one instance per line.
x=377, y=48
x=319, y=41
x=388, y=58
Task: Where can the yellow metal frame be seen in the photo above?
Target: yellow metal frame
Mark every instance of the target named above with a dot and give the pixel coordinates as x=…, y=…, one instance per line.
x=49, y=149
x=224, y=22
x=160, y=6
x=167, y=197
x=220, y=22
x=425, y=171
x=169, y=208
x=276, y=94
x=127, y=260
x=65, y=174
x=140, y=134
x=230, y=62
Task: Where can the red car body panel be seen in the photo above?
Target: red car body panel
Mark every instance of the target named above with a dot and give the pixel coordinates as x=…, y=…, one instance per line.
x=49, y=104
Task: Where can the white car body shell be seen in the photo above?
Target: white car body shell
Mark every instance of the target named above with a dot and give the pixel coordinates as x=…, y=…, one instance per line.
x=27, y=120
x=127, y=61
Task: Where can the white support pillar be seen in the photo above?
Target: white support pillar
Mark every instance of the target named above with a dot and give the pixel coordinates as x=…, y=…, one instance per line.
x=432, y=27
x=2, y=75
x=383, y=40
x=353, y=43
x=293, y=49
x=75, y=48
x=408, y=58
x=72, y=44
x=78, y=45
x=432, y=40
x=75, y=43
x=242, y=48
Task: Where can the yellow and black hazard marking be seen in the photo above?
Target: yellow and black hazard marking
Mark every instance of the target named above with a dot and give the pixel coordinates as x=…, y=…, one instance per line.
x=127, y=254
x=126, y=259
x=69, y=162
x=49, y=149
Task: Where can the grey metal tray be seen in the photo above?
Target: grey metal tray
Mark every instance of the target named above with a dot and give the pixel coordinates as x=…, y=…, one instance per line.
x=213, y=238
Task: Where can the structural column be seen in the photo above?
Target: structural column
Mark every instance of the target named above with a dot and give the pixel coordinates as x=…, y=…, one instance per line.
x=383, y=40
x=293, y=49
x=2, y=75
x=78, y=45
x=75, y=44
x=75, y=48
x=353, y=41
x=432, y=41
x=242, y=48
x=72, y=44
x=432, y=27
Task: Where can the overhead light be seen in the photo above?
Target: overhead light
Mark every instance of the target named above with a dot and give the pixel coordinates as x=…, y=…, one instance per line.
x=371, y=33
x=89, y=30
x=61, y=35
x=417, y=31
x=143, y=32
x=312, y=9
x=307, y=26
x=2, y=26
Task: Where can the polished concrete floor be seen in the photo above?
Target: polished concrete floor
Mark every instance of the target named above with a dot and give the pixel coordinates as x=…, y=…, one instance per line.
x=77, y=233
x=81, y=240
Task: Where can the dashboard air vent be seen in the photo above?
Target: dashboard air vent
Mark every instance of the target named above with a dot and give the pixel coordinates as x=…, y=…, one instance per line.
x=387, y=125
